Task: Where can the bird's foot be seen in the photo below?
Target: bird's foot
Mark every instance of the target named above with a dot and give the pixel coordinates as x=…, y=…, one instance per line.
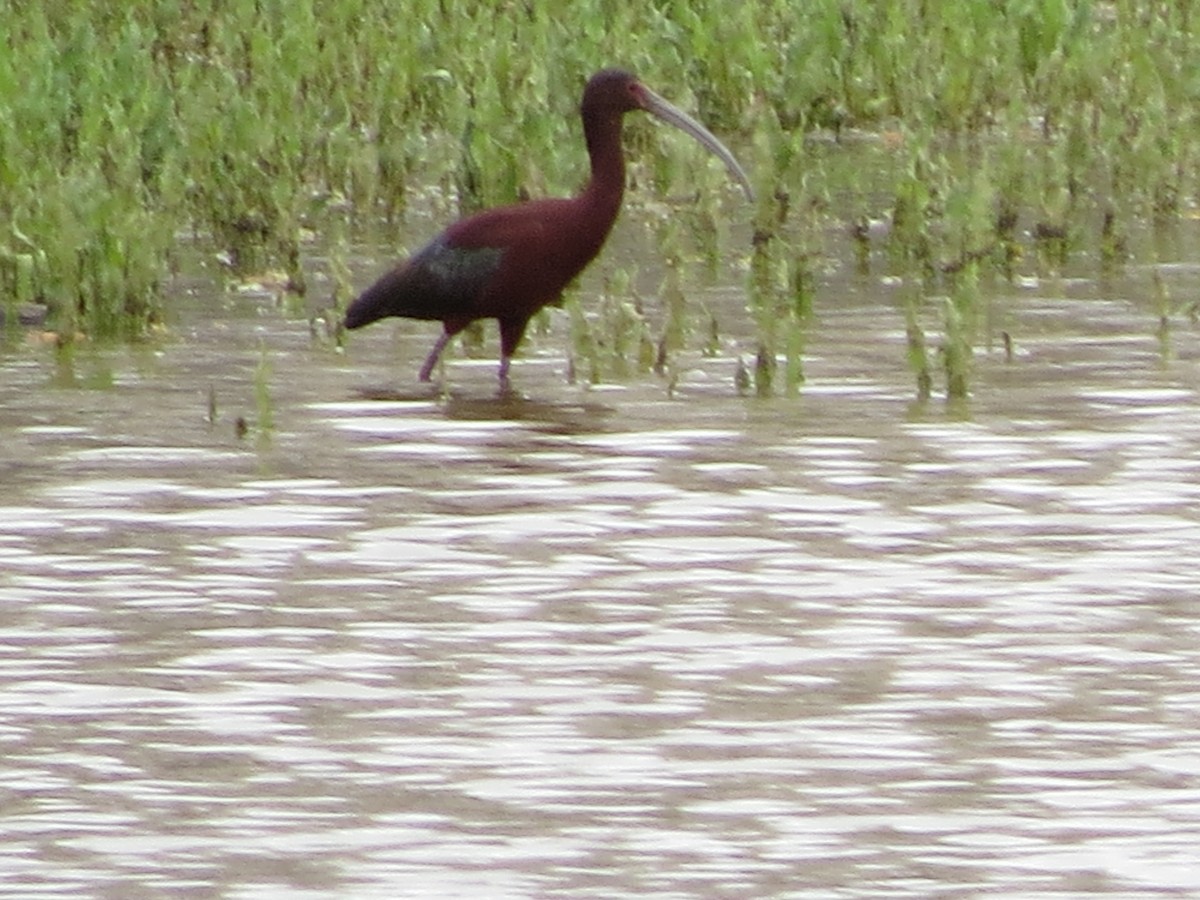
x=505, y=389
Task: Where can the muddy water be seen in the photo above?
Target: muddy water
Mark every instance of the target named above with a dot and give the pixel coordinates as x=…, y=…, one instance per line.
x=599, y=643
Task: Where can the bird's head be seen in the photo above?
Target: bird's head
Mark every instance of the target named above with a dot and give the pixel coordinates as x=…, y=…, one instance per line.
x=611, y=93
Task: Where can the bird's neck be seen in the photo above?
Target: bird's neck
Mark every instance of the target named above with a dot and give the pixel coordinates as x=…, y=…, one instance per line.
x=606, y=185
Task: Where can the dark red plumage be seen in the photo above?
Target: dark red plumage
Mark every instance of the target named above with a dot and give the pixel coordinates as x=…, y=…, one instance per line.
x=509, y=262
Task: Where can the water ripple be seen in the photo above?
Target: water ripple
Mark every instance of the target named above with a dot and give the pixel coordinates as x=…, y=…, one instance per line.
x=703, y=647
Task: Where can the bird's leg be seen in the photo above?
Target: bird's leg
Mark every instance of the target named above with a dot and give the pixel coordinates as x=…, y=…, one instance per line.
x=510, y=335
x=434, y=354
x=505, y=385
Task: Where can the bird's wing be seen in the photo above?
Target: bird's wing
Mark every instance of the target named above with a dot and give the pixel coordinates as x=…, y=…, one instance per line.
x=502, y=228
x=448, y=277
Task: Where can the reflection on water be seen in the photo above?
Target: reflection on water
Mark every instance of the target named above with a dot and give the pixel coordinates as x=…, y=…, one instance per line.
x=602, y=643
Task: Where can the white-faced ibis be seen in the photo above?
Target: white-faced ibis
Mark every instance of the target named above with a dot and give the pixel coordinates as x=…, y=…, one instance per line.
x=509, y=262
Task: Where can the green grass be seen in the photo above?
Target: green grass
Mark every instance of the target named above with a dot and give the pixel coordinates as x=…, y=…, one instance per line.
x=253, y=122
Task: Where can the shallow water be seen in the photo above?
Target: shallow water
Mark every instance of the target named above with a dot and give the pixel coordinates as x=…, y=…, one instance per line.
x=606, y=642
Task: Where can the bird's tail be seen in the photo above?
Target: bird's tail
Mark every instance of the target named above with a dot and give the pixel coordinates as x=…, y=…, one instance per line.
x=408, y=290
x=370, y=306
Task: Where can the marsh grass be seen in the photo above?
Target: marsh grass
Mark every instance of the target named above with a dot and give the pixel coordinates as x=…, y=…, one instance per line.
x=263, y=404
x=1008, y=131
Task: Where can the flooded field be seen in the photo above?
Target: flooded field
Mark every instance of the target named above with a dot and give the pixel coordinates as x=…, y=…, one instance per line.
x=605, y=642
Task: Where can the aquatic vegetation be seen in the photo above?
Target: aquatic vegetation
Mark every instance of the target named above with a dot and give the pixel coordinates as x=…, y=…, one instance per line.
x=264, y=406
x=611, y=341
x=1017, y=134
x=88, y=203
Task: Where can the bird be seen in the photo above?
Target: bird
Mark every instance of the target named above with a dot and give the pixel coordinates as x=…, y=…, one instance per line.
x=508, y=262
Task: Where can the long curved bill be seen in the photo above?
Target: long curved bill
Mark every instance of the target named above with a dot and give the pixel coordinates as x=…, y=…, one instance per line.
x=672, y=115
